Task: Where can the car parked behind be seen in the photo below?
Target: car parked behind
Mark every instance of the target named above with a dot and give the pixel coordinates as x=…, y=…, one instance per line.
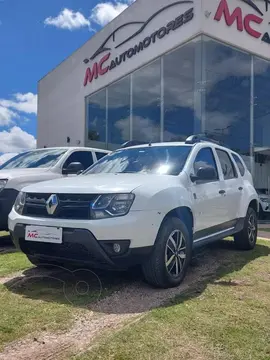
x=40, y=165
x=147, y=205
x=264, y=199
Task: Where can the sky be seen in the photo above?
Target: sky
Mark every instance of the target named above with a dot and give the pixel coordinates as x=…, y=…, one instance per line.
x=35, y=36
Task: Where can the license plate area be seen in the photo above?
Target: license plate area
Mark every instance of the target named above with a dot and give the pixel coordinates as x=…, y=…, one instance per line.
x=44, y=234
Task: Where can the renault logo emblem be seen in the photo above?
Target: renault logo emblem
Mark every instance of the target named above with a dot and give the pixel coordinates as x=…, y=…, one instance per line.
x=51, y=204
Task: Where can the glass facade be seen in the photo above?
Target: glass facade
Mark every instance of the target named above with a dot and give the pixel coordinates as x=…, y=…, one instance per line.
x=204, y=86
x=158, y=102
x=146, y=103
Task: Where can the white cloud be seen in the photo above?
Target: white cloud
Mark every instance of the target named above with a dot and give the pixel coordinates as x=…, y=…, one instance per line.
x=105, y=12
x=6, y=157
x=6, y=116
x=68, y=19
x=101, y=14
x=26, y=103
x=16, y=140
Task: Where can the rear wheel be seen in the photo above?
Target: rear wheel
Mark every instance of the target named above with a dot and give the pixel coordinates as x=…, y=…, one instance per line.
x=169, y=261
x=247, y=238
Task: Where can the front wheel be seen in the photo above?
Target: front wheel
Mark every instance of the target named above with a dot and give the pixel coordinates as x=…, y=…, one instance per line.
x=247, y=238
x=169, y=261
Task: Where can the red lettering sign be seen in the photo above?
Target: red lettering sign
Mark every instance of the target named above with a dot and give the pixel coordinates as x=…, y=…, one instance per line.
x=97, y=70
x=32, y=235
x=252, y=18
x=237, y=15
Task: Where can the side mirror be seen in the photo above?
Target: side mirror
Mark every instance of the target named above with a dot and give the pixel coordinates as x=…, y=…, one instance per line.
x=73, y=168
x=205, y=174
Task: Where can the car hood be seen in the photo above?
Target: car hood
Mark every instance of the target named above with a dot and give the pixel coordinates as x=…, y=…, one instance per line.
x=15, y=173
x=98, y=184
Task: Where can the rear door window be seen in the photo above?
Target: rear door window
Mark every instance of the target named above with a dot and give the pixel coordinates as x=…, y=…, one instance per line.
x=239, y=164
x=228, y=169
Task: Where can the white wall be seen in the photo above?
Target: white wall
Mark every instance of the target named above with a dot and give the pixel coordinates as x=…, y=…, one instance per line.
x=61, y=105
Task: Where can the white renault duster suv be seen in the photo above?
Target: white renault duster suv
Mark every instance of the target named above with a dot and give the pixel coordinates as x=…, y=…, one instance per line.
x=149, y=205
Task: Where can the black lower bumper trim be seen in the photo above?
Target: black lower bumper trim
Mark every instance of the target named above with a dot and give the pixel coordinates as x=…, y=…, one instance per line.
x=81, y=248
x=7, y=199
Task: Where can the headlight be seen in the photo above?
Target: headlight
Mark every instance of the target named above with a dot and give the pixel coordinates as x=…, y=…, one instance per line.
x=2, y=184
x=112, y=205
x=19, y=203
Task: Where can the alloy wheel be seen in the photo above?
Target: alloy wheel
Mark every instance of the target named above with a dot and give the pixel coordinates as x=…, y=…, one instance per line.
x=252, y=228
x=175, y=253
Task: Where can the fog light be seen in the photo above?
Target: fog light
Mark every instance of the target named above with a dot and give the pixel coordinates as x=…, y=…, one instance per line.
x=116, y=248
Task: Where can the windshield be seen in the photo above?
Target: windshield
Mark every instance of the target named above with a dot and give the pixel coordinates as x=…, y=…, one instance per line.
x=34, y=159
x=163, y=160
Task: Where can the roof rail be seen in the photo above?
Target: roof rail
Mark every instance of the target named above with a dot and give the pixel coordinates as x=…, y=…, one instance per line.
x=194, y=139
x=132, y=143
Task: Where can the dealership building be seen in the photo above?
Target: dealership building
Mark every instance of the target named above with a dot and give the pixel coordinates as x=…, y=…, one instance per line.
x=165, y=69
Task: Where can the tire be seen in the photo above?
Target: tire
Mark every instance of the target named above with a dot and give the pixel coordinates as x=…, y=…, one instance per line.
x=247, y=238
x=172, y=236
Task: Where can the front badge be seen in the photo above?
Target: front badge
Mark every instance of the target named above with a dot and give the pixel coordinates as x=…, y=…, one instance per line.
x=51, y=204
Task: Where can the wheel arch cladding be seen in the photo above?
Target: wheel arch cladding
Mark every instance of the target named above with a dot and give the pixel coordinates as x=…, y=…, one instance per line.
x=183, y=213
x=254, y=205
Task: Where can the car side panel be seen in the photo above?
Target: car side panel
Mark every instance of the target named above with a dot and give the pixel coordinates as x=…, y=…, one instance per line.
x=164, y=195
x=249, y=194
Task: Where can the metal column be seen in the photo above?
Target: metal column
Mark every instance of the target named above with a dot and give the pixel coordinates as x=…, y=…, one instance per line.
x=131, y=109
x=252, y=159
x=162, y=108
x=107, y=115
x=199, y=69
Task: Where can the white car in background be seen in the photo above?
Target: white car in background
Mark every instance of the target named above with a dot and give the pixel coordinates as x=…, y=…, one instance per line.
x=147, y=205
x=40, y=165
x=264, y=199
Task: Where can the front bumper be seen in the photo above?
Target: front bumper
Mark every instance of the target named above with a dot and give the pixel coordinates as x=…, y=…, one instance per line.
x=265, y=206
x=81, y=248
x=7, y=199
x=91, y=242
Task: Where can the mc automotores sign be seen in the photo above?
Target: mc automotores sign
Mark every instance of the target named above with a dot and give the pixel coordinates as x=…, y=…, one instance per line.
x=250, y=23
x=108, y=62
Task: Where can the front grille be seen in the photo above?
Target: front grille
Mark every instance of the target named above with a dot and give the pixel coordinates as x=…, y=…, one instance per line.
x=70, y=206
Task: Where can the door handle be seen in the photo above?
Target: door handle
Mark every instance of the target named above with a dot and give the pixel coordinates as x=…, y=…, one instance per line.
x=222, y=192
x=240, y=188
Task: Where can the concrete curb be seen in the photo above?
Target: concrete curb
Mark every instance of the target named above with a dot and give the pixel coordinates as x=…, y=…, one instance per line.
x=262, y=238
